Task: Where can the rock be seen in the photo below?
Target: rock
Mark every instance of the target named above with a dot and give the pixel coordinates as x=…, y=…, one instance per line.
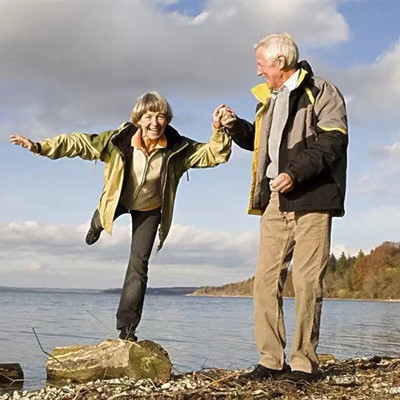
x=166, y=385
x=11, y=376
x=327, y=358
x=10, y=373
x=109, y=359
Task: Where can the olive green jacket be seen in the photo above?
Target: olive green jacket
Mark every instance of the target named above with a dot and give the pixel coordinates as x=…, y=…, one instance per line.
x=114, y=149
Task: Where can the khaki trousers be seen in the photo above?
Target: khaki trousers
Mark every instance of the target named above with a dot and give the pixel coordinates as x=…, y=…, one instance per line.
x=304, y=238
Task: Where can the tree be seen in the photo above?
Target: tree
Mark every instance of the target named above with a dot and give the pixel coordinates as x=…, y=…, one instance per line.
x=360, y=255
x=331, y=267
x=342, y=264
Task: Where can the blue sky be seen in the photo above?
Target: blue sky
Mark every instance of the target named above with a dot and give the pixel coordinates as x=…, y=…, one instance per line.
x=80, y=65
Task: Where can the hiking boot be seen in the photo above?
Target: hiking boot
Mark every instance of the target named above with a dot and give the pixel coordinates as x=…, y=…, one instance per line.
x=92, y=236
x=262, y=373
x=127, y=334
x=300, y=377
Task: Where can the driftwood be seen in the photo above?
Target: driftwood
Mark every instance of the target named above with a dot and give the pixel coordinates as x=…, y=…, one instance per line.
x=108, y=360
x=11, y=375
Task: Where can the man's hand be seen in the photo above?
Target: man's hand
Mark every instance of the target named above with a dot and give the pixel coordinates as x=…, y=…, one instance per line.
x=282, y=183
x=24, y=142
x=223, y=116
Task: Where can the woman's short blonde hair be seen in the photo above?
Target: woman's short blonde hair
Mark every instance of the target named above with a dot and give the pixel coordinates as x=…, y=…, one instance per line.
x=151, y=101
x=280, y=44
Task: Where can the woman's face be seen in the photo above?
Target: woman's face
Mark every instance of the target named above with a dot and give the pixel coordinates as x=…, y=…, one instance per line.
x=153, y=124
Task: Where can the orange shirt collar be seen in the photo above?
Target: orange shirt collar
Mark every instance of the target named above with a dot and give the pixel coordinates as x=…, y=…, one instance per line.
x=138, y=142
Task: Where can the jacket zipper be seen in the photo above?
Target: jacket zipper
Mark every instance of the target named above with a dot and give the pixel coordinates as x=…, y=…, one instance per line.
x=165, y=180
x=143, y=179
x=166, y=167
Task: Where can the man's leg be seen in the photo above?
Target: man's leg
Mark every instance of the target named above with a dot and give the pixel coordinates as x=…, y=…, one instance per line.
x=144, y=230
x=310, y=257
x=276, y=245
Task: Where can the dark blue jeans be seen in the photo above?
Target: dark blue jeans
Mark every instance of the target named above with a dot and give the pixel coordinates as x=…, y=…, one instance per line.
x=144, y=230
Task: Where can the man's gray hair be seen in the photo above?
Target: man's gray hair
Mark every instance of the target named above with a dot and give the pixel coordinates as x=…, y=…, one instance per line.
x=280, y=44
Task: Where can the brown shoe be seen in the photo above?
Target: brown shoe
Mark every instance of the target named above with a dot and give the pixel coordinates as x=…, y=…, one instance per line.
x=262, y=373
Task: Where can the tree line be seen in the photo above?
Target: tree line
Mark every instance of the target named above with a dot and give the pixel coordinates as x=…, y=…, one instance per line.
x=372, y=276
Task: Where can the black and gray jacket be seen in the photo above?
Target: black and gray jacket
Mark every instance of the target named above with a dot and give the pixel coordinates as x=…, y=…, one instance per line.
x=312, y=150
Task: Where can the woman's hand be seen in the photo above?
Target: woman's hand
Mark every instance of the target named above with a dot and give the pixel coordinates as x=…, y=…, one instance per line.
x=223, y=116
x=24, y=142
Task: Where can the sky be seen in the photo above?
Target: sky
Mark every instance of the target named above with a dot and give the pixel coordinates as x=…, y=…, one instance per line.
x=79, y=65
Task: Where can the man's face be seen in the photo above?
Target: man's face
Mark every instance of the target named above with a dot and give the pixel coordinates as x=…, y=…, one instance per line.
x=153, y=124
x=270, y=70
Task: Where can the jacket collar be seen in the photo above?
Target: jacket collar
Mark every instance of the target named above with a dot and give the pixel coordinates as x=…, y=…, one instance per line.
x=173, y=137
x=123, y=136
x=262, y=92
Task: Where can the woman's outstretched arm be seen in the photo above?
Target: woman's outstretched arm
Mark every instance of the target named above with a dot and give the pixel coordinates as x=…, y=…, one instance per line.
x=24, y=142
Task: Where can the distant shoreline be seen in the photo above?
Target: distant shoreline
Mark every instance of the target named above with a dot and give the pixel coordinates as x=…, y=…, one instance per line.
x=288, y=297
x=218, y=295
x=167, y=291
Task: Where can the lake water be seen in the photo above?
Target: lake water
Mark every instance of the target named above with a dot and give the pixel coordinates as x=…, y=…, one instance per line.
x=197, y=332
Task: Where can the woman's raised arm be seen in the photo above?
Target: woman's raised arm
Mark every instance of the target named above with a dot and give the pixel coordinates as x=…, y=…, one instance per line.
x=22, y=141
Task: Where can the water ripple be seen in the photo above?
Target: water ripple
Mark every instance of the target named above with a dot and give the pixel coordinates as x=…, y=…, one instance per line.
x=196, y=332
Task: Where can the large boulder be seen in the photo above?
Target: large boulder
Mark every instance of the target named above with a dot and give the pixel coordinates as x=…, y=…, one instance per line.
x=108, y=360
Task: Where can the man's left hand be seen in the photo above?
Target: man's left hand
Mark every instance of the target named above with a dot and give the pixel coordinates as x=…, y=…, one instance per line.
x=282, y=183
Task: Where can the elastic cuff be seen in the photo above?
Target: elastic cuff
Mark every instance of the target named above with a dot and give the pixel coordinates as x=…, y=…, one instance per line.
x=39, y=149
x=218, y=130
x=222, y=130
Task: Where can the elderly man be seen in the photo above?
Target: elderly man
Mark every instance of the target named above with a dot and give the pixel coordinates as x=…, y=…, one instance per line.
x=299, y=140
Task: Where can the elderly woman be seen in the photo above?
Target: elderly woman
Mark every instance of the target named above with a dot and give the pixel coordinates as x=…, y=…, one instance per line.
x=144, y=160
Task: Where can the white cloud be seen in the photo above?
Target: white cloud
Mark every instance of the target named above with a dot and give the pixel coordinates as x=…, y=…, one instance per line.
x=385, y=217
x=338, y=249
x=32, y=254
x=60, y=255
x=189, y=245
x=34, y=267
x=367, y=184
x=368, y=225
x=392, y=151
x=383, y=177
x=185, y=245
x=74, y=60
x=374, y=89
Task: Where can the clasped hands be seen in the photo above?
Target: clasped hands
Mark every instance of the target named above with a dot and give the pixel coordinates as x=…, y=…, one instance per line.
x=223, y=117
